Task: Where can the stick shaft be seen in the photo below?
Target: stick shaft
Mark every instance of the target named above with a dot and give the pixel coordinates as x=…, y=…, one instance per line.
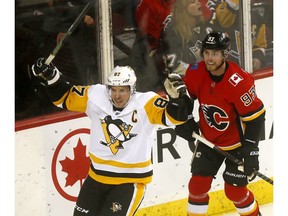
x=229, y=156
x=69, y=32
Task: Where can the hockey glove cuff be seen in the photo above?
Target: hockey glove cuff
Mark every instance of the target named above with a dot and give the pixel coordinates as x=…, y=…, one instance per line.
x=186, y=130
x=47, y=72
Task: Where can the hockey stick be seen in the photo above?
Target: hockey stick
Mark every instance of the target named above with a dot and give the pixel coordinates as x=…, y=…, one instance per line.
x=229, y=156
x=69, y=32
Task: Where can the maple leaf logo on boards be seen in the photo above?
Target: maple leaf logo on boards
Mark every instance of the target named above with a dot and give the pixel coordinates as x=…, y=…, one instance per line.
x=70, y=163
x=77, y=168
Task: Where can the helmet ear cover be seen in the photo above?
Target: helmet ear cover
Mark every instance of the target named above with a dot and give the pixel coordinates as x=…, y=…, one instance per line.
x=216, y=41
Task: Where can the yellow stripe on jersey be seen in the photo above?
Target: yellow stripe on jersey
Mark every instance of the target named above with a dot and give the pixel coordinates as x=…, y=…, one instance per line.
x=61, y=100
x=77, y=98
x=118, y=180
x=230, y=147
x=120, y=164
x=254, y=116
x=155, y=108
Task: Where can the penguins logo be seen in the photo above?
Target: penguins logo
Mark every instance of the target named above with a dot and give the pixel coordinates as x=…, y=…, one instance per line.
x=116, y=207
x=116, y=132
x=215, y=117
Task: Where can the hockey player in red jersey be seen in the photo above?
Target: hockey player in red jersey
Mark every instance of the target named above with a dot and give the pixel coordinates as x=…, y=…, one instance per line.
x=123, y=122
x=231, y=116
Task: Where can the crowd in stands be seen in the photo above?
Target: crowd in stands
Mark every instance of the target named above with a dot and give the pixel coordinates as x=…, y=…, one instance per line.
x=154, y=37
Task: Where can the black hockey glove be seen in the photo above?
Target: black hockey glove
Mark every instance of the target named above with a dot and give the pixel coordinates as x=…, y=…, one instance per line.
x=185, y=130
x=174, y=86
x=47, y=72
x=250, y=154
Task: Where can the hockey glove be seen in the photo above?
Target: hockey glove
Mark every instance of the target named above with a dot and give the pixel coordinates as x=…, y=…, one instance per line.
x=250, y=154
x=47, y=72
x=185, y=130
x=174, y=86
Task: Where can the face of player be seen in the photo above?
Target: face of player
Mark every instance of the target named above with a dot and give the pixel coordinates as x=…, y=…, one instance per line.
x=214, y=61
x=194, y=7
x=120, y=95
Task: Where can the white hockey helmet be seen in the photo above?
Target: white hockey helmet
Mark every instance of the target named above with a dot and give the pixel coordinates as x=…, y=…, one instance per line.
x=122, y=76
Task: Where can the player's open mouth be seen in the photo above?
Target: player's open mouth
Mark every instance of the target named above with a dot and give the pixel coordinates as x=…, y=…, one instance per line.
x=118, y=102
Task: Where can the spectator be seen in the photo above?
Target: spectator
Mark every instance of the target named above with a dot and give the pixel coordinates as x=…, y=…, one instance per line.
x=176, y=44
x=265, y=10
x=81, y=46
x=30, y=40
x=152, y=18
x=227, y=18
x=181, y=42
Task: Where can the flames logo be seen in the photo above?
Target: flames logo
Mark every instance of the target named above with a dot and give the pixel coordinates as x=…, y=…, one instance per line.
x=215, y=117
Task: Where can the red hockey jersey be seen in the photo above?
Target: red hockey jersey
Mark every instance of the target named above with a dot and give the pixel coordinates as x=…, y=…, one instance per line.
x=224, y=106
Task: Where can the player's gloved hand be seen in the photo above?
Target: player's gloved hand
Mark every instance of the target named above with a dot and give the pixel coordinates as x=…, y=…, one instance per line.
x=250, y=154
x=186, y=130
x=47, y=72
x=174, y=86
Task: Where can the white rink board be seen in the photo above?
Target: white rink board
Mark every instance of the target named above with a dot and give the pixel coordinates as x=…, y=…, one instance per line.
x=40, y=181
